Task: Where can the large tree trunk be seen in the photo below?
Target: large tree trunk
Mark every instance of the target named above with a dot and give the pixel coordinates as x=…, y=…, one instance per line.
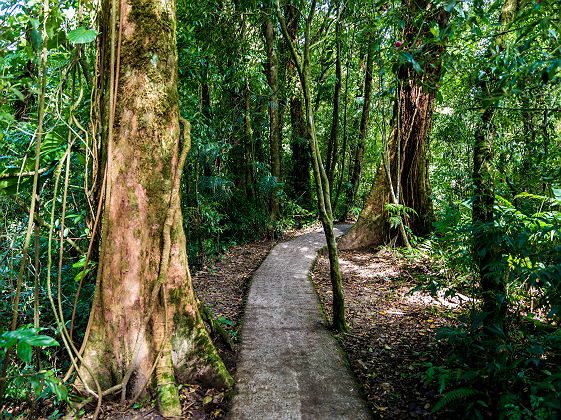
x=408, y=143
x=272, y=73
x=144, y=312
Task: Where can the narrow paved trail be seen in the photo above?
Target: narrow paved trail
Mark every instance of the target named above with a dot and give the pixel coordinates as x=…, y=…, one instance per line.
x=290, y=366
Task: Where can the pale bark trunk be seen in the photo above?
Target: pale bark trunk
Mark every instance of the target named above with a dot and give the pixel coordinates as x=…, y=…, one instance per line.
x=144, y=300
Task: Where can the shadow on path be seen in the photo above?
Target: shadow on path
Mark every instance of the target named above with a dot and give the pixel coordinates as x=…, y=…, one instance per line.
x=290, y=367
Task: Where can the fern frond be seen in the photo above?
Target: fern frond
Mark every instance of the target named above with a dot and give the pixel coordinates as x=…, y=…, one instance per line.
x=455, y=396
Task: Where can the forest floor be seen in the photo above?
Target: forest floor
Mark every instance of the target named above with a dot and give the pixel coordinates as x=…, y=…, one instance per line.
x=390, y=341
x=392, y=331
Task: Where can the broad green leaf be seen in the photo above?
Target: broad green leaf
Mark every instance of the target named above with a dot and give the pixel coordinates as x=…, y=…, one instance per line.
x=34, y=22
x=59, y=390
x=82, y=35
x=503, y=201
x=42, y=340
x=51, y=143
x=450, y=6
x=6, y=341
x=36, y=39
x=435, y=31
x=80, y=263
x=416, y=66
x=24, y=351
x=22, y=333
x=78, y=276
x=6, y=116
x=17, y=93
x=35, y=384
x=529, y=195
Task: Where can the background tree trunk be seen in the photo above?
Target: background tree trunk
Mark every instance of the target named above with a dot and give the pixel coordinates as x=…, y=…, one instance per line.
x=359, y=151
x=412, y=121
x=300, y=169
x=272, y=73
x=333, y=145
x=248, y=144
x=144, y=311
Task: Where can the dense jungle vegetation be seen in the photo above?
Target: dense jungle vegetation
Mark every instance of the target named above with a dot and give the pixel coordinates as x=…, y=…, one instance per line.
x=435, y=123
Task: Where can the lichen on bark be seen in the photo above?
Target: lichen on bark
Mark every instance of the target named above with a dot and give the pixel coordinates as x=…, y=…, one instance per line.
x=144, y=326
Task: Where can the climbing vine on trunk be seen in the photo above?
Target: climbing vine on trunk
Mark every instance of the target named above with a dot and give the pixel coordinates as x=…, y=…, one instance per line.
x=145, y=332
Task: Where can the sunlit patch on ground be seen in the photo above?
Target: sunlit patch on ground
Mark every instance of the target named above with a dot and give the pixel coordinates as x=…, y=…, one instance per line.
x=392, y=330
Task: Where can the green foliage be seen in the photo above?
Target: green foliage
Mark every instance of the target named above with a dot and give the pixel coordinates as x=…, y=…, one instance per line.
x=82, y=35
x=294, y=215
x=24, y=338
x=27, y=377
x=458, y=396
x=505, y=371
x=507, y=361
x=398, y=212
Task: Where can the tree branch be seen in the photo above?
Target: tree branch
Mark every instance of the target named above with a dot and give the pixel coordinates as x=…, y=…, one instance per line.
x=23, y=174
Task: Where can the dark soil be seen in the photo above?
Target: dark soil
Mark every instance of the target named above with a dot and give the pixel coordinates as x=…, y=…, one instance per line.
x=391, y=332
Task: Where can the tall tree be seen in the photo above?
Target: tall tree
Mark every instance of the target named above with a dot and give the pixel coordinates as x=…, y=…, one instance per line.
x=418, y=74
x=300, y=168
x=320, y=175
x=356, y=167
x=486, y=249
x=272, y=73
x=144, y=329
x=333, y=145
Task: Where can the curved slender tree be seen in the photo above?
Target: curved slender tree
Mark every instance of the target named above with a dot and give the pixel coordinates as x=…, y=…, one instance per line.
x=320, y=175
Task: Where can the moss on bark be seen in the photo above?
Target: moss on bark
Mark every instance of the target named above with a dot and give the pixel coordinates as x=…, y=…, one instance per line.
x=131, y=329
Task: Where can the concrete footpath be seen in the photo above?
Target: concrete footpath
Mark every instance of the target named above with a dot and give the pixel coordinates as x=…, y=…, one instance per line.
x=290, y=367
